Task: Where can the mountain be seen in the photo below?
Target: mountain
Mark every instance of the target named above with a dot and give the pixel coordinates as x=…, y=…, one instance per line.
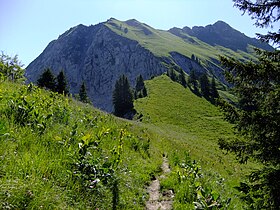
x=222, y=34
x=99, y=54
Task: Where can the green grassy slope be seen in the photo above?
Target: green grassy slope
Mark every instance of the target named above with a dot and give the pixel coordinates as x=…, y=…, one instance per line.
x=60, y=154
x=161, y=43
x=57, y=153
x=190, y=123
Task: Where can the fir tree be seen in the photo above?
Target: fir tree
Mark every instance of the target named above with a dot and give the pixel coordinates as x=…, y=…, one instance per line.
x=256, y=118
x=144, y=91
x=47, y=80
x=204, y=86
x=122, y=97
x=140, y=85
x=182, y=78
x=83, y=97
x=61, y=86
x=214, y=91
x=192, y=80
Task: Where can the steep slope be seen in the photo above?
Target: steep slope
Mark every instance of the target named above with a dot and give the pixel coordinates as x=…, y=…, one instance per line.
x=99, y=54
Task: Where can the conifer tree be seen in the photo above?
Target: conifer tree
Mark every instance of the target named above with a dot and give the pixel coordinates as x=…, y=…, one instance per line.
x=204, y=86
x=214, y=91
x=61, y=86
x=47, y=80
x=83, y=97
x=192, y=80
x=182, y=78
x=144, y=91
x=139, y=83
x=122, y=97
x=256, y=118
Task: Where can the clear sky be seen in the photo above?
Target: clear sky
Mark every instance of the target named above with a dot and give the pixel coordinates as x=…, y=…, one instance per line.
x=27, y=26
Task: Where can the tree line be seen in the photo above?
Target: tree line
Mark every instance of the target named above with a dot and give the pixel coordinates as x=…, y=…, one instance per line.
x=59, y=84
x=200, y=85
x=123, y=94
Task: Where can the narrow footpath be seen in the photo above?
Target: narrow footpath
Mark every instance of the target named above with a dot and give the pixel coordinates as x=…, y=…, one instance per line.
x=158, y=201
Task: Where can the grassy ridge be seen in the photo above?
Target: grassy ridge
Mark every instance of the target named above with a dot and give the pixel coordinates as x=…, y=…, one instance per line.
x=57, y=153
x=161, y=43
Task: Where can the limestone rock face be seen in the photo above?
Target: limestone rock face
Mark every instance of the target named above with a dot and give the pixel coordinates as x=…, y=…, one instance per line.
x=97, y=56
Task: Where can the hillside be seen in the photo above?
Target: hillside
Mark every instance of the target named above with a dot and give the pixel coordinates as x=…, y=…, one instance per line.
x=57, y=153
x=99, y=54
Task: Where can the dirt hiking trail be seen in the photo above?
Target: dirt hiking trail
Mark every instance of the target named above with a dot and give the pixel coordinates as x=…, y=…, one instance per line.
x=157, y=200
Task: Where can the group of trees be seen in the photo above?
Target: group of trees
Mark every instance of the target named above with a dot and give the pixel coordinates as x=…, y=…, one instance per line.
x=123, y=95
x=199, y=85
x=59, y=84
x=257, y=115
x=177, y=75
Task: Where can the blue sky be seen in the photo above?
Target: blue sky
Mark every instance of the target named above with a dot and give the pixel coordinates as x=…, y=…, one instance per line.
x=27, y=26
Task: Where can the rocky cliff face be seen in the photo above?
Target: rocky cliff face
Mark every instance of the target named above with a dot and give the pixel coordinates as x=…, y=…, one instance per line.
x=97, y=56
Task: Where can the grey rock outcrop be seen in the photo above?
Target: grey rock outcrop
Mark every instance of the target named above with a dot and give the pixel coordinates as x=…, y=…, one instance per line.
x=98, y=56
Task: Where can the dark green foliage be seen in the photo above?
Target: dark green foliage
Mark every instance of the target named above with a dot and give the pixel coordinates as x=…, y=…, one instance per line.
x=122, y=97
x=144, y=91
x=182, y=78
x=61, y=86
x=83, y=97
x=204, y=86
x=192, y=80
x=257, y=121
x=257, y=117
x=171, y=73
x=11, y=68
x=140, y=89
x=47, y=80
x=213, y=90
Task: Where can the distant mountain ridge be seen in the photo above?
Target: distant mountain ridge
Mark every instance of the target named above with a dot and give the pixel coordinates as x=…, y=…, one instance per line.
x=99, y=54
x=220, y=33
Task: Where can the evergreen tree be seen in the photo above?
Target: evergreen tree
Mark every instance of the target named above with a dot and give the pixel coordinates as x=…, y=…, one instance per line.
x=192, y=80
x=47, y=80
x=122, y=97
x=214, y=91
x=171, y=73
x=83, y=97
x=139, y=83
x=144, y=91
x=182, y=78
x=204, y=86
x=256, y=118
x=61, y=86
x=140, y=86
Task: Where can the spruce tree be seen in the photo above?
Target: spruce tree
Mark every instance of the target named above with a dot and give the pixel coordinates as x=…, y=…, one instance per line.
x=182, y=78
x=47, y=80
x=83, y=97
x=192, y=80
x=144, y=91
x=122, y=97
x=139, y=83
x=256, y=118
x=214, y=91
x=204, y=86
x=61, y=86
